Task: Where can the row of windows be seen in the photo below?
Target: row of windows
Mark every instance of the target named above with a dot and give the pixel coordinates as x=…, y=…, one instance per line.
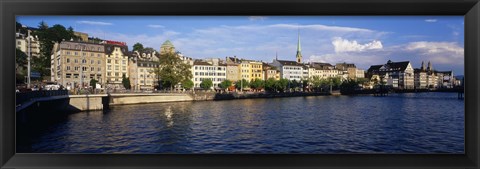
x=117, y=56
x=109, y=67
x=84, y=61
x=83, y=54
x=124, y=62
x=292, y=68
x=84, y=68
x=212, y=79
x=92, y=76
x=209, y=74
x=208, y=68
x=84, y=47
x=116, y=74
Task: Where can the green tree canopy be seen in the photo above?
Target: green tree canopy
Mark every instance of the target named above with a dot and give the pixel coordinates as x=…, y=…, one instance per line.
x=126, y=82
x=172, y=70
x=137, y=47
x=270, y=84
x=206, y=84
x=257, y=84
x=241, y=83
x=225, y=84
x=281, y=85
x=47, y=37
x=187, y=84
x=93, y=83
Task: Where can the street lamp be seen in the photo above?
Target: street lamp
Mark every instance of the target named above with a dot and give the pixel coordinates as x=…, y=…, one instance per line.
x=28, y=59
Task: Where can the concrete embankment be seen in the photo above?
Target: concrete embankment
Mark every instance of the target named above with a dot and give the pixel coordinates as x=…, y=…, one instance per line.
x=76, y=103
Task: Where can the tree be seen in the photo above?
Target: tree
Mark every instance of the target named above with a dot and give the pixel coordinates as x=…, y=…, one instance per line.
x=20, y=58
x=93, y=83
x=282, y=84
x=20, y=66
x=270, y=84
x=47, y=37
x=137, y=47
x=206, y=84
x=187, y=84
x=172, y=70
x=241, y=84
x=126, y=82
x=225, y=84
x=257, y=84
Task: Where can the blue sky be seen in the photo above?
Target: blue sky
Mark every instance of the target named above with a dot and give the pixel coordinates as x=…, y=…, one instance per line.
x=363, y=40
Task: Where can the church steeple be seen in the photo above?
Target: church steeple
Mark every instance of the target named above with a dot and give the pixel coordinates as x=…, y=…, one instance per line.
x=430, y=68
x=276, y=55
x=299, y=49
x=423, y=66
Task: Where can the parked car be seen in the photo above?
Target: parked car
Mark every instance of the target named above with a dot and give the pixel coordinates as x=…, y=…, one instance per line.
x=52, y=86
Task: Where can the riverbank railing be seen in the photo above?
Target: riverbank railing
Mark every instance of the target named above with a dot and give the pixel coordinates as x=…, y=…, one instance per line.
x=27, y=96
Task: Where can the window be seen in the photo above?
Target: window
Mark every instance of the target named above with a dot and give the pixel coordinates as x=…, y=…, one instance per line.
x=76, y=53
x=75, y=75
x=124, y=68
x=19, y=42
x=116, y=61
x=92, y=61
x=99, y=69
x=84, y=61
x=68, y=67
x=92, y=69
x=109, y=61
x=109, y=67
x=84, y=68
x=116, y=74
x=68, y=75
x=109, y=73
x=68, y=53
x=76, y=68
x=116, y=68
x=68, y=60
x=84, y=54
x=99, y=54
x=99, y=62
x=123, y=61
x=98, y=50
x=92, y=54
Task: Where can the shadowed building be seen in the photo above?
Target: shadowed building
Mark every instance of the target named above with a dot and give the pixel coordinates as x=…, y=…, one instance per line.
x=396, y=74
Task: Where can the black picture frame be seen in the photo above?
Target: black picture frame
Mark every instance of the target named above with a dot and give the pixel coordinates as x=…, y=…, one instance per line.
x=9, y=9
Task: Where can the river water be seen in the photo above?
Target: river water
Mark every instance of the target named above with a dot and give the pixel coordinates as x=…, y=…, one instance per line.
x=398, y=123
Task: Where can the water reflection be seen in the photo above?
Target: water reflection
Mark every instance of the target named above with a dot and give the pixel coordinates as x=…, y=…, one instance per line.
x=401, y=123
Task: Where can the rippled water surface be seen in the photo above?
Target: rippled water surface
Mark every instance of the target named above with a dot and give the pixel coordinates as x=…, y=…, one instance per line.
x=399, y=123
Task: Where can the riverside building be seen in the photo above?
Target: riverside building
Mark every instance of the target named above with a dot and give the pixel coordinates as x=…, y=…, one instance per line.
x=212, y=69
x=141, y=67
x=74, y=64
x=116, y=55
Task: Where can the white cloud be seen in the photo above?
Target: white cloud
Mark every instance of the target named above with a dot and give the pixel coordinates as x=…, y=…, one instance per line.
x=430, y=20
x=156, y=26
x=319, y=27
x=440, y=52
x=257, y=18
x=94, y=23
x=345, y=45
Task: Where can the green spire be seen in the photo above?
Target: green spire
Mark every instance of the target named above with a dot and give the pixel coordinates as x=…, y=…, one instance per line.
x=299, y=49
